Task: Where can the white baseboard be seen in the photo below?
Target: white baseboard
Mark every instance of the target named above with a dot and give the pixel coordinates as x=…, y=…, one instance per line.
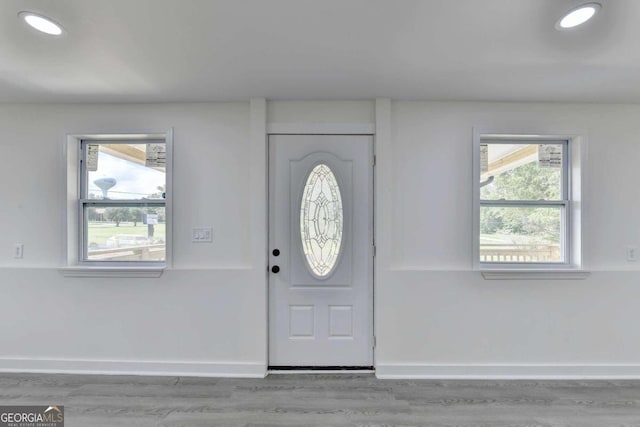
x=121, y=367
x=507, y=371
x=382, y=370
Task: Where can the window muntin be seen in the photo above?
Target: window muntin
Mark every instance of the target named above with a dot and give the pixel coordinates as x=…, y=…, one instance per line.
x=122, y=204
x=524, y=203
x=321, y=221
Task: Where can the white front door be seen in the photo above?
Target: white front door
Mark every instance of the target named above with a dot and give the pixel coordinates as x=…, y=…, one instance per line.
x=320, y=250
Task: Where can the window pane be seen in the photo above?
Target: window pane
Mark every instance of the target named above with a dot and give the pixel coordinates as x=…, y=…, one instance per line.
x=125, y=233
x=321, y=222
x=521, y=172
x=125, y=171
x=521, y=234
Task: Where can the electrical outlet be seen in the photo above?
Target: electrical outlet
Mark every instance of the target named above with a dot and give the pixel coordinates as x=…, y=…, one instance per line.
x=632, y=253
x=18, y=251
x=202, y=234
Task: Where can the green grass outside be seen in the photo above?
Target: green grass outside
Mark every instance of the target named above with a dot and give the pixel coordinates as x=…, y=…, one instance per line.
x=99, y=232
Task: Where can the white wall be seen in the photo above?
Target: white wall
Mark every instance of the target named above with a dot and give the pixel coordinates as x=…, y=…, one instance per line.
x=437, y=317
x=207, y=315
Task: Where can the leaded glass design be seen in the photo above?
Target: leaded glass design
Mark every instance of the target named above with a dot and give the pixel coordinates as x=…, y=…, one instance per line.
x=321, y=222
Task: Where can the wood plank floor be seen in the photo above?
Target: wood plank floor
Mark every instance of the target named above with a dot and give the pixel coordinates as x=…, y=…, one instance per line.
x=324, y=400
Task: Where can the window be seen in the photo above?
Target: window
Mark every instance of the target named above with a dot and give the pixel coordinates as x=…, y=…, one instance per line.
x=526, y=215
x=122, y=184
x=321, y=222
x=122, y=205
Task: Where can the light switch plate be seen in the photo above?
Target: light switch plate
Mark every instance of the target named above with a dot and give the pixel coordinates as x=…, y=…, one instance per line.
x=202, y=234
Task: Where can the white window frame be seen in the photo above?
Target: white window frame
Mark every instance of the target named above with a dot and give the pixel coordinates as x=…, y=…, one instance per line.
x=76, y=265
x=574, y=161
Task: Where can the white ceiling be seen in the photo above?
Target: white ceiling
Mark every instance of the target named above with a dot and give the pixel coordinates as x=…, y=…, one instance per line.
x=215, y=50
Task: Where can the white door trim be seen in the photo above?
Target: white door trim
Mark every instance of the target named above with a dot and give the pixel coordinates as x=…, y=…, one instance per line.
x=321, y=129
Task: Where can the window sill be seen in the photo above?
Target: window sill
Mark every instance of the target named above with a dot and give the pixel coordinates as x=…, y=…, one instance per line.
x=535, y=274
x=130, y=272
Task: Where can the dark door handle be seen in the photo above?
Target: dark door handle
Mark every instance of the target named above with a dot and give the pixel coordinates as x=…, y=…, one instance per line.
x=276, y=252
x=275, y=269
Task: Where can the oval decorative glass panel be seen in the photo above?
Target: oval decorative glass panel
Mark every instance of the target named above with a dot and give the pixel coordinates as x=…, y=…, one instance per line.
x=321, y=224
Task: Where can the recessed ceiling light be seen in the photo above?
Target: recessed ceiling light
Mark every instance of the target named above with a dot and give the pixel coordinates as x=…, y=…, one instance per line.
x=41, y=23
x=578, y=16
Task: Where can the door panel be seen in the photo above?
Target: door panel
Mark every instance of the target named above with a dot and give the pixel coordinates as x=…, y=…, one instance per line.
x=321, y=313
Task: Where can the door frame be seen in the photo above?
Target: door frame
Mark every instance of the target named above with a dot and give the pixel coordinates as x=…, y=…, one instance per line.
x=359, y=129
